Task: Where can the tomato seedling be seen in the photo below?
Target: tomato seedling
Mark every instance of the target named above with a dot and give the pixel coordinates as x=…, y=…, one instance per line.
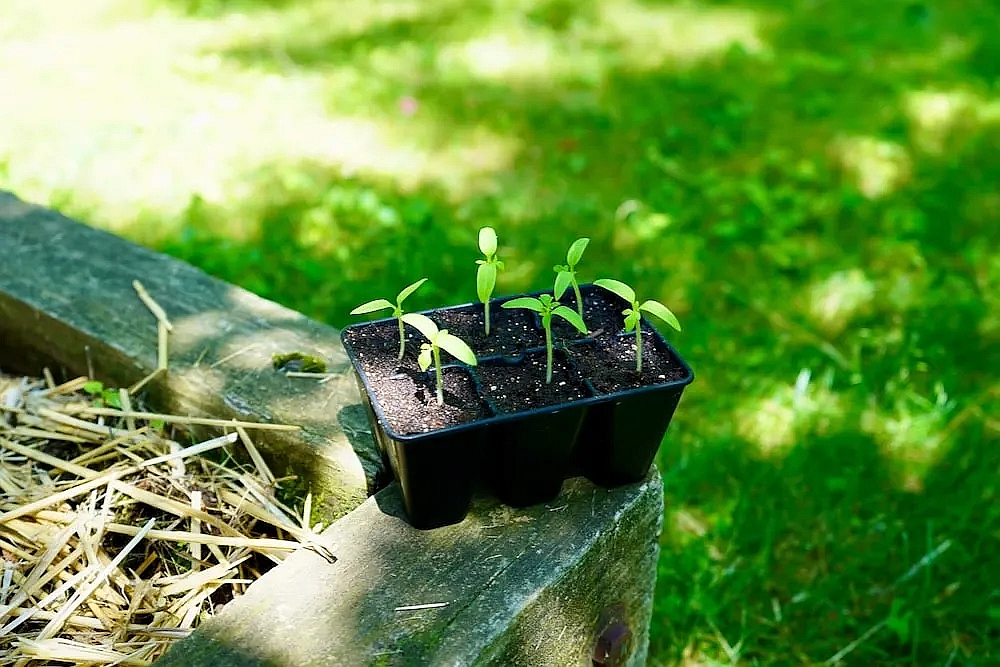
x=633, y=314
x=486, y=275
x=566, y=274
x=548, y=305
x=438, y=339
x=397, y=310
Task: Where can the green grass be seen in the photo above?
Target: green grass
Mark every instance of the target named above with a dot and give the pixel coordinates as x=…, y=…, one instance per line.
x=811, y=186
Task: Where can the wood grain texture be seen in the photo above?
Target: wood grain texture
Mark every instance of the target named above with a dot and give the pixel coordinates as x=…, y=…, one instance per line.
x=519, y=587
x=67, y=302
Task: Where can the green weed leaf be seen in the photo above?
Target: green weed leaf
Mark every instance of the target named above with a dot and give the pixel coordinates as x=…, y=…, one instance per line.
x=94, y=387
x=112, y=399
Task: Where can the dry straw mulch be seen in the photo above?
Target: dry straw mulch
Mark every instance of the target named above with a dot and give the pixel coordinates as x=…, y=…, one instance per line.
x=115, y=539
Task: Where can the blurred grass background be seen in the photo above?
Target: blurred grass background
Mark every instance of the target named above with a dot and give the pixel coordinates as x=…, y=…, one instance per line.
x=812, y=185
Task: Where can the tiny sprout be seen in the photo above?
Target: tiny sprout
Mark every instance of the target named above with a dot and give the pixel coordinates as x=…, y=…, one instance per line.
x=397, y=310
x=439, y=339
x=633, y=314
x=547, y=306
x=566, y=275
x=486, y=275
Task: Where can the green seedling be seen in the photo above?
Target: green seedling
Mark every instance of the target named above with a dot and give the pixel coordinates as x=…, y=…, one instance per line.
x=633, y=314
x=439, y=339
x=486, y=275
x=566, y=275
x=397, y=310
x=103, y=396
x=548, y=305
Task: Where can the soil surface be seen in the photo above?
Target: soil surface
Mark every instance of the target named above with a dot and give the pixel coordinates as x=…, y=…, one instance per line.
x=409, y=402
x=610, y=364
x=377, y=348
x=519, y=387
x=511, y=331
x=602, y=313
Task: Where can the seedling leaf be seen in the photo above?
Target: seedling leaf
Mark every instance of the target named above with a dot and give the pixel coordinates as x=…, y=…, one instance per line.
x=576, y=251
x=424, y=358
x=618, y=287
x=525, y=302
x=631, y=319
x=372, y=306
x=563, y=280
x=421, y=323
x=572, y=317
x=457, y=348
x=487, y=241
x=407, y=291
x=486, y=278
x=662, y=312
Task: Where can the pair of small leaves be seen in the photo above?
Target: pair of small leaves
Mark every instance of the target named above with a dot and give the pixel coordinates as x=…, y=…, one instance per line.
x=633, y=314
x=439, y=338
x=547, y=307
x=106, y=396
x=383, y=304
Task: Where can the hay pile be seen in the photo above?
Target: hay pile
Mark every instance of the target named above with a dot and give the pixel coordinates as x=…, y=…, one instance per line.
x=116, y=540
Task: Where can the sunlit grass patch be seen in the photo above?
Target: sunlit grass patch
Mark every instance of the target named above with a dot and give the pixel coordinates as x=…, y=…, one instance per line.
x=617, y=34
x=836, y=300
x=913, y=433
x=83, y=115
x=938, y=115
x=779, y=420
x=683, y=33
x=878, y=167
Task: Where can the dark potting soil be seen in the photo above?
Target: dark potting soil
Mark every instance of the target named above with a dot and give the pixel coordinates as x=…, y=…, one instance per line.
x=409, y=400
x=511, y=331
x=519, y=387
x=376, y=346
x=610, y=364
x=602, y=313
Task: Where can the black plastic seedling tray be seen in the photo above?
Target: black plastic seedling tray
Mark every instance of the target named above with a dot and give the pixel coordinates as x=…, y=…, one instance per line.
x=525, y=456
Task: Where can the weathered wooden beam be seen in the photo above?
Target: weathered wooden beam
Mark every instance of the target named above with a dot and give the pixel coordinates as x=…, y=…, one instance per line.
x=534, y=587
x=67, y=302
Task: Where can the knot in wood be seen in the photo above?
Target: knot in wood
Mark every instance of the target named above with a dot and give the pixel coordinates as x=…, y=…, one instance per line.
x=614, y=638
